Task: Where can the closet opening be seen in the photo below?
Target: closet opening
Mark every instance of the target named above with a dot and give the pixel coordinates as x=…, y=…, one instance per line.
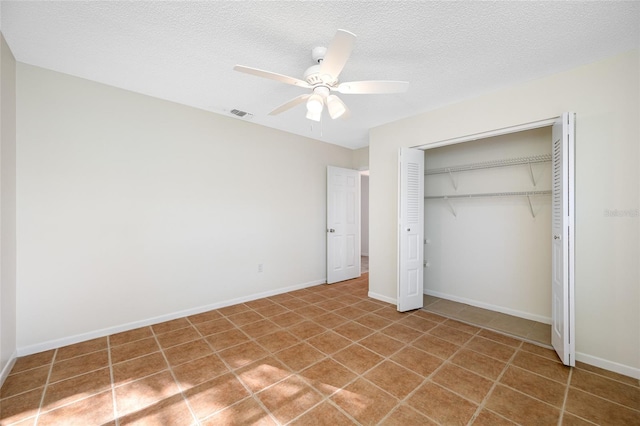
x=488, y=228
x=487, y=233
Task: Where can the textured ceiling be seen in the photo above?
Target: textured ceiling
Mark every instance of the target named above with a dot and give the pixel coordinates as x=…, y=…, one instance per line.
x=185, y=51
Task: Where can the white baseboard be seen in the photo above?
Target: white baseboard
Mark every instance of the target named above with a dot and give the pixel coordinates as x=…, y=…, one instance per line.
x=7, y=367
x=508, y=311
x=70, y=340
x=608, y=365
x=382, y=298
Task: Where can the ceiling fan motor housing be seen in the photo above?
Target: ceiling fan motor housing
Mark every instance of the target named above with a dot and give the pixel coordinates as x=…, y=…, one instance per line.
x=312, y=74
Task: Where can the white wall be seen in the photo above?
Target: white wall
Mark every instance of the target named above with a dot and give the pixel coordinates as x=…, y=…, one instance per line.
x=493, y=253
x=604, y=96
x=361, y=162
x=7, y=209
x=361, y=158
x=364, y=215
x=132, y=209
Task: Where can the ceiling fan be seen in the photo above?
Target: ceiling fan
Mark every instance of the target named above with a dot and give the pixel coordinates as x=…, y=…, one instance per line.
x=322, y=79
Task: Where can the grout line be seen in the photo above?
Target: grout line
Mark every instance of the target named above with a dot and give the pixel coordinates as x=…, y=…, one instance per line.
x=607, y=400
x=340, y=409
x=427, y=379
x=510, y=363
x=357, y=376
x=252, y=394
x=603, y=376
x=170, y=368
x=46, y=385
x=327, y=397
x=113, y=386
x=484, y=401
x=495, y=330
x=566, y=395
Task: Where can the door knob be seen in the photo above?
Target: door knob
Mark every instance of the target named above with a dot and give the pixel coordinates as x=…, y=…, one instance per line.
x=408, y=229
x=331, y=230
x=556, y=237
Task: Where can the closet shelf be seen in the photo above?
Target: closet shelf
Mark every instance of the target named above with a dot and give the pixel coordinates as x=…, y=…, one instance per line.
x=527, y=194
x=489, y=194
x=491, y=164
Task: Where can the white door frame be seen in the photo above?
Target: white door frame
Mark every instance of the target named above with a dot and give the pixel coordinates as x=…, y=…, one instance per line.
x=570, y=257
x=548, y=122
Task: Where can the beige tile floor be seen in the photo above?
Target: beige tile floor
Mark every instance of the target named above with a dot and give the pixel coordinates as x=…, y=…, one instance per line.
x=532, y=331
x=322, y=355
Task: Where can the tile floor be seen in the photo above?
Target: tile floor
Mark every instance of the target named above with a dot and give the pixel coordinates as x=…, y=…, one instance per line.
x=322, y=355
x=533, y=331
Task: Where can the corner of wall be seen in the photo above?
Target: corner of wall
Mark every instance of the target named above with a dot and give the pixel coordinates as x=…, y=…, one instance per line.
x=8, y=342
x=6, y=368
x=360, y=158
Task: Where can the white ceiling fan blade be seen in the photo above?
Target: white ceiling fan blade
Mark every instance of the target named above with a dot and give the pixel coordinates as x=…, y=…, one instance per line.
x=337, y=54
x=290, y=104
x=272, y=76
x=373, y=87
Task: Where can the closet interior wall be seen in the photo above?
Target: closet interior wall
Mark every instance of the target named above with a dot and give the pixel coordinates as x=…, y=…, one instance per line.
x=492, y=252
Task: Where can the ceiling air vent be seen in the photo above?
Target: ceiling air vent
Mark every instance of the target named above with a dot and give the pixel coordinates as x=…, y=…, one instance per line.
x=242, y=114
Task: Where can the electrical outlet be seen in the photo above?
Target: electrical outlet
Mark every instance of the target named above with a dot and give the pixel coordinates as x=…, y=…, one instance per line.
x=260, y=267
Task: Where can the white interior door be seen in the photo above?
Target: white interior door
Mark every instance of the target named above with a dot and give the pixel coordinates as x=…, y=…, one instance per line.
x=411, y=229
x=562, y=248
x=343, y=224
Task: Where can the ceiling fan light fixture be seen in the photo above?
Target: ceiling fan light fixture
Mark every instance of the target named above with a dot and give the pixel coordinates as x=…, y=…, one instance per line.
x=315, y=104
x=335, y=106
x=315, y=116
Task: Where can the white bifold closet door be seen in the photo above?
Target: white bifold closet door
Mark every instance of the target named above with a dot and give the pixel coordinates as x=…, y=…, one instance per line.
x=411, y=229
x=563, y=239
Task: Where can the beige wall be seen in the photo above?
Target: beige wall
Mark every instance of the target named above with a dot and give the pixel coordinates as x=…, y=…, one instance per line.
x=361, y=158
x=604, y=96
x=7, y=208
x=133, y=209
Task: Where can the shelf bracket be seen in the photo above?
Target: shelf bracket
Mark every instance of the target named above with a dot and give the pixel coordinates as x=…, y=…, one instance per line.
x=453, y=180
x=533, y=214
x=533, y=178
x=453, y=210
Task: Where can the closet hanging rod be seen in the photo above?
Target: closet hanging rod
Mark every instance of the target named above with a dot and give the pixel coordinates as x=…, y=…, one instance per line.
x=489, y=194
x=491, y=164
